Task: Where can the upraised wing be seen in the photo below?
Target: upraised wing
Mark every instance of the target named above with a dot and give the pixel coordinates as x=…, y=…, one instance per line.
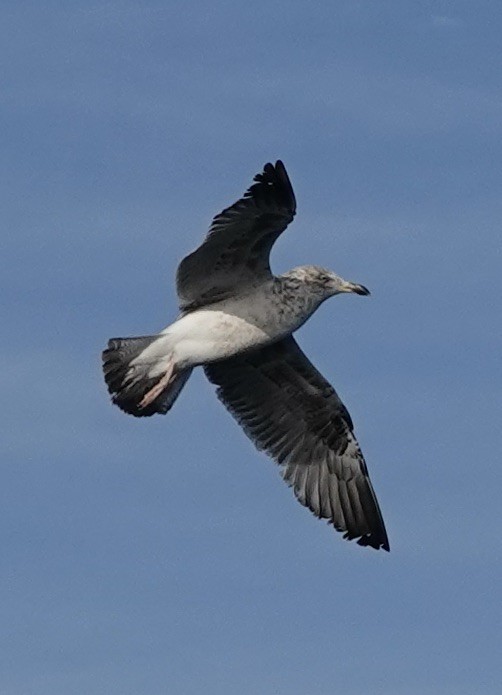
x=289, y=410
x=235, y=253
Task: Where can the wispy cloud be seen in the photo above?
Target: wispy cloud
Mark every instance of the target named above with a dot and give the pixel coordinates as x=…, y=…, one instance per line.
x=445, y=21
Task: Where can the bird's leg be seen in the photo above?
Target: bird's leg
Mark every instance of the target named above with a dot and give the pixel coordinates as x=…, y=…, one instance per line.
x=163, y=382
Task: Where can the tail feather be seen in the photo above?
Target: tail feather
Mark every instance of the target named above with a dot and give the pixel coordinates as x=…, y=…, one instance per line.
x=128, y=377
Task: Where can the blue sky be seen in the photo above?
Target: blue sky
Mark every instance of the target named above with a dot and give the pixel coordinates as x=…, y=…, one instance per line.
x=166, y=555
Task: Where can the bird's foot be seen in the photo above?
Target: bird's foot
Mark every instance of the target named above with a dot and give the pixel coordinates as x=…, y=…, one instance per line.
x=154, y=392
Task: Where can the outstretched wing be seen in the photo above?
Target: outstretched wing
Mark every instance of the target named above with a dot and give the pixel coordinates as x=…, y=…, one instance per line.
x=235, y=253
x=289, y=410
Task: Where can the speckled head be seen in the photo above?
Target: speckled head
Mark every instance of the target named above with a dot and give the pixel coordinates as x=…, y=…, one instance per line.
x=324, y=282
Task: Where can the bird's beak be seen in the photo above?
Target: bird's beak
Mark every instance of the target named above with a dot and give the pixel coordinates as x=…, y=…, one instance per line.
x=354, y=287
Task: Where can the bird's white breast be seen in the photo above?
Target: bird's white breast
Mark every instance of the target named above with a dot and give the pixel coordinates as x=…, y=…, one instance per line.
x=228, y=328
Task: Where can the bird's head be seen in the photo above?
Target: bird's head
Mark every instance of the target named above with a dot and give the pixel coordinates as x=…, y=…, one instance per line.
x=325, y=283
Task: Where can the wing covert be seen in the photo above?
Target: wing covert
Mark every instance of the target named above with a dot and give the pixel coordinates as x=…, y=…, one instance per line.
x=235, y=253
x=289, y=410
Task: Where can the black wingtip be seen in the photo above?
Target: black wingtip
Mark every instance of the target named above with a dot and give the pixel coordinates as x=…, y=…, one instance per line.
x=275, y=177
x=378, y=542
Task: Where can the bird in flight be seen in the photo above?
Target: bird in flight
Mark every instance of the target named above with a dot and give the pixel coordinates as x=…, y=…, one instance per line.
x=237, y=321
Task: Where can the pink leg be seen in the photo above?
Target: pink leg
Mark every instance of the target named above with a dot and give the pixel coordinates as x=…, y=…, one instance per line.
x=152, y=394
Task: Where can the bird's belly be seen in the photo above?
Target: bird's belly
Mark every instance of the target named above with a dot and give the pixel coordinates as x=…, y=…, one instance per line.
x=206, y=336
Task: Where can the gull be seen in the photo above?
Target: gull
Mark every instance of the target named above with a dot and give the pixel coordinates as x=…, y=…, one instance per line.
x=237, y=321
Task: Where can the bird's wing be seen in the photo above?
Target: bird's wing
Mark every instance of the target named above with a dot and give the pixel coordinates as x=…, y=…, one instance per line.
x=289, y=410
x=235, y=253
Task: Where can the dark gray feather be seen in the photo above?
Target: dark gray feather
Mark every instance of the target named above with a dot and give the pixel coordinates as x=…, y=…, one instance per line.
x=127, y=385
x=289, y=410
x=235, y=253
